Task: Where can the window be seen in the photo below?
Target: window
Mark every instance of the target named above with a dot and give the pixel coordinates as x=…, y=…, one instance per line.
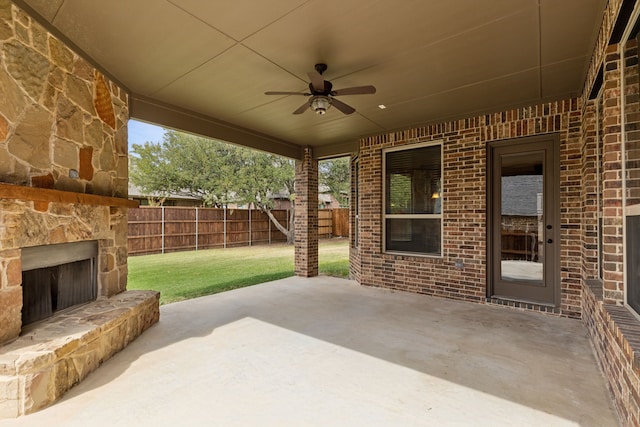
x=413, y=199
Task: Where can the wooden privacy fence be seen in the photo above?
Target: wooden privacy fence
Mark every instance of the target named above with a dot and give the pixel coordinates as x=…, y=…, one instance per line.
x=172, y=229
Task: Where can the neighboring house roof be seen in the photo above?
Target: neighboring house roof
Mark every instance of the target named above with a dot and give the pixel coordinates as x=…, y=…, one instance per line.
x=520, y=194
x=135, y=192
x=282, y=195
x=324, y=198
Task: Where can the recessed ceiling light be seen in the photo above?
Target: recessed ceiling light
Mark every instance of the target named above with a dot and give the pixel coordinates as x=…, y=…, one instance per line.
x=382, y=106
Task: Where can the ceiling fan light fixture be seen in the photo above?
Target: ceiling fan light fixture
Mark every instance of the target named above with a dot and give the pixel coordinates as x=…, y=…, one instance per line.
x=320, y=104
x=321, y=94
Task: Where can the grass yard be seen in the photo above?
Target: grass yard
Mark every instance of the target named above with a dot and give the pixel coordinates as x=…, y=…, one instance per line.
x=183, y=275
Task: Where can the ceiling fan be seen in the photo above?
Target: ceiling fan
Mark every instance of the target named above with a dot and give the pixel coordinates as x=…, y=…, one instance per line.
x=322, y=96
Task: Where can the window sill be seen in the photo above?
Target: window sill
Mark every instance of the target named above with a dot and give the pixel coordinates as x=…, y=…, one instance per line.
x=412, y=255
x=622, y=320
x=596, y=287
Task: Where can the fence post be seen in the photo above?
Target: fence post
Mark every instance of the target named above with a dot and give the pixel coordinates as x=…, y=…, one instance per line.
x=196, y=228
x=269, y=222
x=249, y=225
x=224, y=228
x=162, y=229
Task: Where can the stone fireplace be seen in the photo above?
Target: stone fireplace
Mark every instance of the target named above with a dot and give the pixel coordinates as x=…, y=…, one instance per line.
x=64, y=307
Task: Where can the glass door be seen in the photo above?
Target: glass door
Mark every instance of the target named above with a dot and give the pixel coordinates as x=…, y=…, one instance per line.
x=524, y=213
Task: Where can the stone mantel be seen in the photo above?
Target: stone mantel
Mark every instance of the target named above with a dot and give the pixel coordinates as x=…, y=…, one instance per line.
x=19, y=192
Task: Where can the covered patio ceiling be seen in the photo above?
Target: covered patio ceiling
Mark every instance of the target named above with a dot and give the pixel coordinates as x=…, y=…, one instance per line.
x=203, y=66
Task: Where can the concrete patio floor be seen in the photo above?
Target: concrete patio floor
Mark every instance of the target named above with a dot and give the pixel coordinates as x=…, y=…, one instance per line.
x=328, y=352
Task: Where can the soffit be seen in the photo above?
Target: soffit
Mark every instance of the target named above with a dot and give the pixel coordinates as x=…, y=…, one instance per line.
x=209, y=63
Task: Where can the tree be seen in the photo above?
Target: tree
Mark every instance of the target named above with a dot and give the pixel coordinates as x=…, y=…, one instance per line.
x=262, y=175
x=218, y=172
x=335, y=175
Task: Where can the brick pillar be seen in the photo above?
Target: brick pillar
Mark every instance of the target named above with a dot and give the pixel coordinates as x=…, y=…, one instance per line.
x=589, y=189
x=354, y=213
x=612, y=267
x=306, y=220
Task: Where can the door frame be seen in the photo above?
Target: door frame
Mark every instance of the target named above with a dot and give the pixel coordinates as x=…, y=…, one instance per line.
x=493, y=255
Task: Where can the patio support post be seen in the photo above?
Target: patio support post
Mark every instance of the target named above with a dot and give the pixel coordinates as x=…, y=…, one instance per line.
x=613, y=177
x=306, y=219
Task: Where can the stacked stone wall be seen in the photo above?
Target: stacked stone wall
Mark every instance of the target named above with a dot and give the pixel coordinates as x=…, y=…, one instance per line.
x=63, y=130
x=63, y=126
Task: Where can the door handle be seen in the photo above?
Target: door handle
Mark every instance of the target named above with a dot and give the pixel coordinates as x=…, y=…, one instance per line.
x=549, y=240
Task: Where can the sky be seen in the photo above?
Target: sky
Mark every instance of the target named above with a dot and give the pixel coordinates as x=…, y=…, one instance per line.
x=140, y=132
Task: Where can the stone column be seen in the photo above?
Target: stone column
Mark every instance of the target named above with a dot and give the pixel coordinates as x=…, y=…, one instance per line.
x=10, y=295
x=306, y=220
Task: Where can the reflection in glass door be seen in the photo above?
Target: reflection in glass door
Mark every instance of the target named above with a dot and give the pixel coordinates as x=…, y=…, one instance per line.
x=523, y=220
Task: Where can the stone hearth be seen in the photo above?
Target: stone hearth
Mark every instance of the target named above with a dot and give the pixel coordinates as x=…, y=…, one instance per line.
x=52, y=356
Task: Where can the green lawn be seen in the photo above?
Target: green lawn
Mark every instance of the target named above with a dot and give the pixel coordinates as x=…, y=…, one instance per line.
x=183, y=275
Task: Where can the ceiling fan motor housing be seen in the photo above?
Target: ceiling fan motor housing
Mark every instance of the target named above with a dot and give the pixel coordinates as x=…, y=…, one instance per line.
x=327, y=89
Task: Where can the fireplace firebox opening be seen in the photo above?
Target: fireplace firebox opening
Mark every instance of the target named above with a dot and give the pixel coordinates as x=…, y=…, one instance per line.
x=56, y=277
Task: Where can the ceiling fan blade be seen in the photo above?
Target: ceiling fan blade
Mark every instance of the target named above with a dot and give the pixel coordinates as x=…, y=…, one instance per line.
x=346, y=109
x=317, y=81
x=304, y=107
x=359, y=90
x=287, y=93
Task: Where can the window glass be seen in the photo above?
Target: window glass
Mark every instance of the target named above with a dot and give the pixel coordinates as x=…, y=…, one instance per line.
x=414, y=235
x=413, y=200
x=413, y=179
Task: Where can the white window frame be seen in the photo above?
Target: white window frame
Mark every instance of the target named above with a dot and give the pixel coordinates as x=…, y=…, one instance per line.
x=386, y=216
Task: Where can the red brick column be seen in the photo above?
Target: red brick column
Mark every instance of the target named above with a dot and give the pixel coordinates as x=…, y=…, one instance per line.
x=612, y=267
x=306, y=220
x=354, y=212
x=589, y=190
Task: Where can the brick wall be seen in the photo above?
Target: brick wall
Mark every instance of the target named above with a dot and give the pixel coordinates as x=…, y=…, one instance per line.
x=464, y=204
x=591, y=140
x=613, y=328
x=590, y=189
x=613, y=332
